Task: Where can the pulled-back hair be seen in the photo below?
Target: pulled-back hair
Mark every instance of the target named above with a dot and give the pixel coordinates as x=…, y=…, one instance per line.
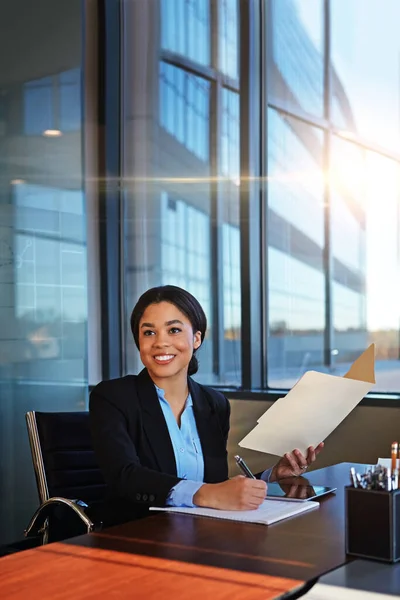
x=180, y=298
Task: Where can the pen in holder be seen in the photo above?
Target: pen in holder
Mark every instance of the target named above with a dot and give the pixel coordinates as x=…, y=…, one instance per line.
x=373, y=523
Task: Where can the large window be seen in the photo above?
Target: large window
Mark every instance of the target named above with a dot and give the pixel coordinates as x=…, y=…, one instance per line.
x=333, y=192
x=261, y=172
x=181, y=188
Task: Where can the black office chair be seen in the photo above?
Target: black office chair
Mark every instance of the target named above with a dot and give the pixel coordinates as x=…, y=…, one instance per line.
x=66, y=471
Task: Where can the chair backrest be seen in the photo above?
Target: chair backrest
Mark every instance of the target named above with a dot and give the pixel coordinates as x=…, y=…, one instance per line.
x=63, y=457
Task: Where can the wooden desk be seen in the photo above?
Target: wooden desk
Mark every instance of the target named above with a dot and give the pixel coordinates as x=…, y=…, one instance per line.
x=60, y=571
x=191, y=555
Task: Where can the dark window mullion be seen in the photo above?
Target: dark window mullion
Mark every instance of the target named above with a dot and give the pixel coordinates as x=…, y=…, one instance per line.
x=214, y=19
x=265, y=45
x=327, y=256
x=216, y=233
x=250, y=204
x=327, y=253
x=218, y=362
x=109, y=170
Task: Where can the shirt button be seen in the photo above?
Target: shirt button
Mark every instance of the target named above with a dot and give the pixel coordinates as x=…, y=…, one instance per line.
x=181, y=450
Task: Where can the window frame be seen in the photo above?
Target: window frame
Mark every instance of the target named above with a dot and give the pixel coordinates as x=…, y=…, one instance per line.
x=253, y=37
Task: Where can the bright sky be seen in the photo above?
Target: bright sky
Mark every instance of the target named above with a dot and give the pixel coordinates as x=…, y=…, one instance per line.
x=366, y=57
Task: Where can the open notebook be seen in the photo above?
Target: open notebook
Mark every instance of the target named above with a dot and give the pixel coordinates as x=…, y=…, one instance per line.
x=270, y=511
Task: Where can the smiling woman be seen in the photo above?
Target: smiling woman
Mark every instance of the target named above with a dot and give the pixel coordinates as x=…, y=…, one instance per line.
x=160, y=437
x=155, y=314
x=166, y=347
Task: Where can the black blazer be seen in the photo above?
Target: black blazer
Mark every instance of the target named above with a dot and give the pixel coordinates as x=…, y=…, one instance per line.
x=132, y=444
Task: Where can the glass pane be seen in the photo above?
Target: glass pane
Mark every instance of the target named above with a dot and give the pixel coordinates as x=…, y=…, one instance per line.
x=230, y=131
x=70, y=102
x=296, y=288
x=365, y=69
x=365, y=189
x=43, y=316
x=166, y=165
x=184, y=108
x=185, y=28
x=230, y=371
x=38, y=105
x=229, y=38
x=296, y=55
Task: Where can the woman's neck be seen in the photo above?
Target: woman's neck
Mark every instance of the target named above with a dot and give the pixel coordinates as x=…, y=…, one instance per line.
x=176, y=389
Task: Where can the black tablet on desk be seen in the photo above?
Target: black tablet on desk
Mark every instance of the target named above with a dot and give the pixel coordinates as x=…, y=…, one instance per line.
x=296, y=492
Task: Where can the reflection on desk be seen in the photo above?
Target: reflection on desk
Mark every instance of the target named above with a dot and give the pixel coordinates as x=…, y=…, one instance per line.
x=359, y=579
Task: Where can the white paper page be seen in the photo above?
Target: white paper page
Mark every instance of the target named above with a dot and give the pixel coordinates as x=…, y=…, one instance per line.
x=310, y=411
x=270, y=511
x=322, y=591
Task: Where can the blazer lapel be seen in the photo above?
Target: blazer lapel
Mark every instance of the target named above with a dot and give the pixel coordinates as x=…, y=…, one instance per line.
x=154, y=425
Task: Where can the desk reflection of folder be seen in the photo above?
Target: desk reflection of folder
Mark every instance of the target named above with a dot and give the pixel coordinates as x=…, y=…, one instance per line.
x=312, y=409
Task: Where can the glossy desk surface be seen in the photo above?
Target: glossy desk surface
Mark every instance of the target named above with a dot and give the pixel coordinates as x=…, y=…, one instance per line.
x=189, y=555
x=366, y=576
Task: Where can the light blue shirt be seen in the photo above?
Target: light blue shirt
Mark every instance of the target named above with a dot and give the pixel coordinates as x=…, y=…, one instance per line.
x=187, y=451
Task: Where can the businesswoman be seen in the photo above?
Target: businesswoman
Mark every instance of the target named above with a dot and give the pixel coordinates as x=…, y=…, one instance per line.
x=160, y=437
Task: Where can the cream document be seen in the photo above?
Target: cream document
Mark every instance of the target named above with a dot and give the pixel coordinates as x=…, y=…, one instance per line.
x=312, y=409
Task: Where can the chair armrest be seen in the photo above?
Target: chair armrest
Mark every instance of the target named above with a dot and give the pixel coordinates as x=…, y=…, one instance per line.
x=42, y=513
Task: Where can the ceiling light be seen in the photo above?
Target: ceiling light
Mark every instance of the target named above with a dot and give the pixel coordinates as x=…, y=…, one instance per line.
x=52, y=133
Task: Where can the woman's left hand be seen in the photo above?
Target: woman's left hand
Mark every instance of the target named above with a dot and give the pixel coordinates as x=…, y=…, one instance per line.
x=295, y=463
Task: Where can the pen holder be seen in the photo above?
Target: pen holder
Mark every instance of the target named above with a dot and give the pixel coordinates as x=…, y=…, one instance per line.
x=373, y=524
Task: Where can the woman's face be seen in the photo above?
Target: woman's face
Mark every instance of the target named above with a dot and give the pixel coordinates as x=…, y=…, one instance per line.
x=166, y=341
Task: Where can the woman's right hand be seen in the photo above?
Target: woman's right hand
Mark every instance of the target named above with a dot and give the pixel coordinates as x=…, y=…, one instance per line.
x=238, y=493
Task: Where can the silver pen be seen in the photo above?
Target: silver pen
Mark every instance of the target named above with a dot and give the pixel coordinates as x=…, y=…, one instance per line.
x=242, y=465
x=395, y=479
x=353, y=477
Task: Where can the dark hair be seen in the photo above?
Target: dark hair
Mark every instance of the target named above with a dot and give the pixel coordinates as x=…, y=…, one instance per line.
x=180, y=298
